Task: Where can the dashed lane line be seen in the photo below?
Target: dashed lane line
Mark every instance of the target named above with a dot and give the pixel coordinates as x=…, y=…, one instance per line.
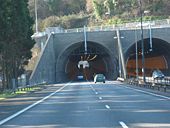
x=123, y=124
x=107, y=106
x=100, y=98
x=93, y=89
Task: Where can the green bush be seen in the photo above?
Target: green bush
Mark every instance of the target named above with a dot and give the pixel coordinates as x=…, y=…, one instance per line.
x=70, y=21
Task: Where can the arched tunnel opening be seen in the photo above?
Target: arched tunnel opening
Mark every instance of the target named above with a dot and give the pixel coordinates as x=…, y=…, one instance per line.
x=96, y=65
x=98, y=58
x=156, y=56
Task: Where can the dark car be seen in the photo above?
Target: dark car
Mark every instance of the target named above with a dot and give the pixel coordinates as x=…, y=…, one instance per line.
x=80, y=77
x=99, y=78
x=157, y=74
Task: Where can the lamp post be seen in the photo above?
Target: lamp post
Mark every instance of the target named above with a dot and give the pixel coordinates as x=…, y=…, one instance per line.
x=142, y=42
x=36, y=17
x=136, y=46
x=121, y=56
x=85, y=41
x=36, y=34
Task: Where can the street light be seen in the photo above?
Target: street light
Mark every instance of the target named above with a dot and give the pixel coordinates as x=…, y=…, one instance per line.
x=121, y=56
x=136, y=46
x=36, y=17
x=36, y=34
x=85, y=41
x=142, y=42
x=150, y=31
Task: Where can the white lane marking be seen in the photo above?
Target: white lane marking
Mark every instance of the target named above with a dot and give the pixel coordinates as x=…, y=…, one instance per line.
x=123, y=124
x=93, y=89
x=31, y=106
x=107, y=106
x=150, y=93
x=100, y=98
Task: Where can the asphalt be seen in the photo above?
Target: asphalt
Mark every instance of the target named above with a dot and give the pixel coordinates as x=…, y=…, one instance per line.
x=153, y=89
x=14, y=104
x=78, y=105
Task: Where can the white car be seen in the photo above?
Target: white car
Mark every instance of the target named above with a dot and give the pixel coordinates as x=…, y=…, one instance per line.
x=99, y=78
x=157, y=74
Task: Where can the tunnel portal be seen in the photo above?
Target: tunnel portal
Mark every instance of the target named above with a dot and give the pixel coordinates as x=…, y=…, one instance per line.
x=157, y=56
x=98, y=58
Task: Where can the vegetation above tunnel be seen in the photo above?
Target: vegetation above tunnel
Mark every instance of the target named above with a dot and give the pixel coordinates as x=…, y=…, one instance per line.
x=76, y=13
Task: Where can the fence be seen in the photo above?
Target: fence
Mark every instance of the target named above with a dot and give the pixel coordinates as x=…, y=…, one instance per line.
x=158, y=84
x=22, y=85
x=135, y=25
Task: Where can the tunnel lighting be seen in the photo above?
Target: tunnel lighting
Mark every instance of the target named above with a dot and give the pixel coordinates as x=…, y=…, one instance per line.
x=94, y=57
x=88, y=57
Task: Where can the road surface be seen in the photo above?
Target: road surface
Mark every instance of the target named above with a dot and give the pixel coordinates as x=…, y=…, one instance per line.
x=80, y=105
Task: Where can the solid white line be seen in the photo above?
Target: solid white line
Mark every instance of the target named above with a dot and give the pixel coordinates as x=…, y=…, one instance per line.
x=123, y=124
x=107, y=106
x=31, y=106
x=150, y=93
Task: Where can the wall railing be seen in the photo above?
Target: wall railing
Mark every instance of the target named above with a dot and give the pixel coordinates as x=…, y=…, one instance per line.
x=135, y=25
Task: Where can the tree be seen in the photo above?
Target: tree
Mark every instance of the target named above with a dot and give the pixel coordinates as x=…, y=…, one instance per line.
x=42, y=8
x=98, y=9
x=66, y=7
x=66, y=22
x=89, y=6
x=16, y=29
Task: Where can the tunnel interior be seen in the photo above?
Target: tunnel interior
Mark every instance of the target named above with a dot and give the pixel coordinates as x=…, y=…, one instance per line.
x=97, y=57
x=156, y=56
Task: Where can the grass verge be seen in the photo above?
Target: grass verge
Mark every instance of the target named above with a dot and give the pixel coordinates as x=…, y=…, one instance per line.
x=8, y=93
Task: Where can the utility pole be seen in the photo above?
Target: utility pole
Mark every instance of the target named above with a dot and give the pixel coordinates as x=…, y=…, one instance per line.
x=137, y=71
x=85, y=41
x=142, y=42
x=36, y=16
x=121, y=54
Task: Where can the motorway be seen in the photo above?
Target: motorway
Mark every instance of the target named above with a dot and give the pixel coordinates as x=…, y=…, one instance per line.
x=85, y=104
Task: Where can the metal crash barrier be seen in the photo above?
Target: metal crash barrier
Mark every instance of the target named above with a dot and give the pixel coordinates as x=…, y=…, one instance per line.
x=155, y=84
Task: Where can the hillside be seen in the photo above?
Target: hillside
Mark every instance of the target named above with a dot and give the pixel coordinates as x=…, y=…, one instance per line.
x=77, y=13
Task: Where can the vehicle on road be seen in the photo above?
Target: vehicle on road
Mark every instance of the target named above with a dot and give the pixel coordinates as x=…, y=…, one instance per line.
x=99, y=78
x=157, y=74
x=80, y=77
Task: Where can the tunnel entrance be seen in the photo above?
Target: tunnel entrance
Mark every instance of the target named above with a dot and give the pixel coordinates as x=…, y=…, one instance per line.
x=98, y=58
x=157, y=56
